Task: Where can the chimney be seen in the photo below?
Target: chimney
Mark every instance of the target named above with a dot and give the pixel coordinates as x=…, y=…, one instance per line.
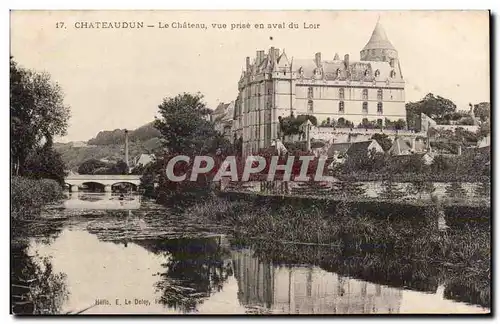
x=126, y=150
x=271, y=53
x=259, y=56
x=248, y=64
x=346, y=60
x=277, y=53
x=317, y=59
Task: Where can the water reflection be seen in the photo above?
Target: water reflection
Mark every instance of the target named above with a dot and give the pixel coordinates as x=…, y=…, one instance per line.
x=308, y=289
x=107, y=200
x=148, y=261
x=311, y=290
x=36, y=287
x=197, y=268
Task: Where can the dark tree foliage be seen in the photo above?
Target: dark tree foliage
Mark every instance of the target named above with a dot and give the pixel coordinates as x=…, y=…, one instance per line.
x=436, y=107
x=119, y=168
x=292, y=125
x=45, y=163
x=37, y=114
x=90, y=166
x=185, y=126
x=482, y=111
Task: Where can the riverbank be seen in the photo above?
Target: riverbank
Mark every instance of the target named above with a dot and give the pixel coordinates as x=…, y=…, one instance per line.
x=34, y=275
x=28, y=196
x=387, y=238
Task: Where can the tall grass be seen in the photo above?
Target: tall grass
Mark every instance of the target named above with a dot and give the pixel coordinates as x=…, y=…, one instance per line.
x=398, y=243
x=28, y=196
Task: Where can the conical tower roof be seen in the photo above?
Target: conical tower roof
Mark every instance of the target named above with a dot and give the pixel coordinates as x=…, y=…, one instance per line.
x=379, y=39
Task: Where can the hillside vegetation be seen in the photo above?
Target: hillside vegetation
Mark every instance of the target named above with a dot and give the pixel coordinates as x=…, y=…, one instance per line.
x=110, y=145
x=117, y=136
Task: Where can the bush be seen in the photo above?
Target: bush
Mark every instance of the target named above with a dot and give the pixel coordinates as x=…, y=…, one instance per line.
x=28, y=196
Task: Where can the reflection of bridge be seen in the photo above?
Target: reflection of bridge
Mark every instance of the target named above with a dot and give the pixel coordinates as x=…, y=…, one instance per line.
x=74, y=181
x=102, y=201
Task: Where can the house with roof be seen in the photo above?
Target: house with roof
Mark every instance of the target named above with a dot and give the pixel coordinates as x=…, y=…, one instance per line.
x=363, y=149
x=402, y=146
x=144, y=159
x=223, y=118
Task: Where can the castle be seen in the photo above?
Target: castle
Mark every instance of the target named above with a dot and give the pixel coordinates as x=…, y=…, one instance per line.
x=273, y=86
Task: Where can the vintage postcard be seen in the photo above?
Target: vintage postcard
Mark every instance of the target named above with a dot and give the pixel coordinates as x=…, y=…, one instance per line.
x=250, y=162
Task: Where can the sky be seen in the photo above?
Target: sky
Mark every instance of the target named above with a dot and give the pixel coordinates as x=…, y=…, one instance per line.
x=116, y=78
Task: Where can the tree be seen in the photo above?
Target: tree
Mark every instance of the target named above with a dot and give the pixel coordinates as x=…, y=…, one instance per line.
x=37, y=113
x=185, y=126
x=484, y=130
x=436, y=107
x=291, y=125
x=384, y=141
x=119, y=168
x=400, y=124
x=483, y=111
x=45, y=163
x=90, y=166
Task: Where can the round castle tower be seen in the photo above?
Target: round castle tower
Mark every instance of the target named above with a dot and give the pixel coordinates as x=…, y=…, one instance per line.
x=379, y=48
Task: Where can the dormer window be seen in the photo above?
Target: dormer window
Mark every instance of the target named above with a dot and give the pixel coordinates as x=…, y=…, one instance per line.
x=337, y=73
x=393, y=74
x=377, y=73
x=367, y=73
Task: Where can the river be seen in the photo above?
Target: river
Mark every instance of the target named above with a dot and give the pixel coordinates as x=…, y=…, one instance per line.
x=111, y=256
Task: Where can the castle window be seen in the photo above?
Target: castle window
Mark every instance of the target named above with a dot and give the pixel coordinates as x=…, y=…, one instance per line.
x=310, y=92
x=341, y=93
x=341, y=107
x=310, y=106
x=380, y=122
x=377, y=73
x=380, y=109
x=365, y=94
x=380, y=94
x=365, y=107
x=393, y=74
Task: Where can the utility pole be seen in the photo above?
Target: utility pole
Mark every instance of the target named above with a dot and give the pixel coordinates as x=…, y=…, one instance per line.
x=126, y=151
x=308, y=136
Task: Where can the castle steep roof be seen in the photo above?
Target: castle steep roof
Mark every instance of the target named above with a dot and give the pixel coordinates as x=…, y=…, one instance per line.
x=355, y=72
x=379, y=39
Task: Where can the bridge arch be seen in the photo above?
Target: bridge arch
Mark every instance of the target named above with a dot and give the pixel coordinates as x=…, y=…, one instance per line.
x=94, y=186
x=124, y=185
x=98, y=180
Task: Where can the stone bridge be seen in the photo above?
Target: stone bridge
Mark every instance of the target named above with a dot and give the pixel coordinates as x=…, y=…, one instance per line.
x=74, y=181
